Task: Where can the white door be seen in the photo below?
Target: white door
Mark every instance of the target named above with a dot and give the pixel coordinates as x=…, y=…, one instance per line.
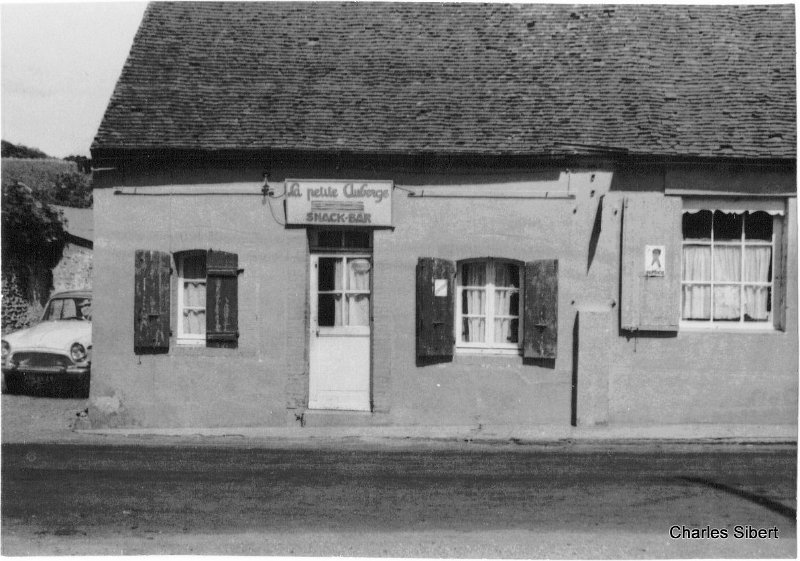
x=339, y=353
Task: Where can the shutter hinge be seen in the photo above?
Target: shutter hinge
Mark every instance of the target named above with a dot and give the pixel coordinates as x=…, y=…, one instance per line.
x=220, y=272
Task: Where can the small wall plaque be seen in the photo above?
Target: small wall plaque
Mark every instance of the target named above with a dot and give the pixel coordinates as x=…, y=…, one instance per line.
x=654, y=259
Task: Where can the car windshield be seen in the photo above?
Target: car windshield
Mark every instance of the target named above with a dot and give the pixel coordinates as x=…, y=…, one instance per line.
x=68, y=308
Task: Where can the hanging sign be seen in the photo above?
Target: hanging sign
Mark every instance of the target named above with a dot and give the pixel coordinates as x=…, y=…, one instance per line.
x=654, y=256
x=336, y=202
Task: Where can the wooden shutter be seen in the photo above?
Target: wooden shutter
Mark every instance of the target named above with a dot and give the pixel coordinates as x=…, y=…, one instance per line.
x=222, y=299
x=651, y=303
x=435, y=312
x=779, y=260
x=151, y=302
x=540, y=322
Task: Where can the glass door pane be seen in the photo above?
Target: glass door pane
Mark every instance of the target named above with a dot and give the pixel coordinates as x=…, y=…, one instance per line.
x=330, y=274
x=343, y=291
x=329, y=291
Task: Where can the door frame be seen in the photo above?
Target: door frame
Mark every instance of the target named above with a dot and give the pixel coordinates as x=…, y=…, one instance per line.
x=312, y=327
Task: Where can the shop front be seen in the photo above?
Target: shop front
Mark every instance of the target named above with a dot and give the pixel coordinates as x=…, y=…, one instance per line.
x=431, y=214
x=527, y=298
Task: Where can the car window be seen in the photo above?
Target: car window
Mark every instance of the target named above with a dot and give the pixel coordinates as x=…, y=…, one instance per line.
x=54, y=310
x=85, y=309
x=69, y=308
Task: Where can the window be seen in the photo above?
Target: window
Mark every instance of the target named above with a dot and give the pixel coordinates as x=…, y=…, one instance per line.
x=728, y=266
x=203, y=295
x=333, y=240
x=343, y=291
x=342, y=277
x=488, y=304
x=477, y=305
x=191, y=297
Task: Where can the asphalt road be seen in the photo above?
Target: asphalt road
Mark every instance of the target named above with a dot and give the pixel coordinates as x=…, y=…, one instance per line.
x=468, y=501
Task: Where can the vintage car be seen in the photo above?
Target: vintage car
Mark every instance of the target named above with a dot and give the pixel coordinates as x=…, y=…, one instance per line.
x=55, y=355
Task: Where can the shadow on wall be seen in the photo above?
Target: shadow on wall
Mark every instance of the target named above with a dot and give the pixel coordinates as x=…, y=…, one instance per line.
x=431, y=360
x=541, y=362
x=595, y=235
x=413, y=169
x=574, y=402
x=643, y=334
x=150, y=350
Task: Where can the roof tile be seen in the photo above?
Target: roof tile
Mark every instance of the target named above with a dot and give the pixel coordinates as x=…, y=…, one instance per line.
x=513, y=79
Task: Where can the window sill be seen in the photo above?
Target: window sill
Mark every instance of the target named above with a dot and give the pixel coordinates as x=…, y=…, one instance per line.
x=476, y=351
x=189, y=343
x=182, y=349
x=750, y=330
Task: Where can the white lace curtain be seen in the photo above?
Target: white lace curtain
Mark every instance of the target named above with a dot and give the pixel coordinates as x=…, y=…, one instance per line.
x=358, y=279
x=505, y=299
x=474, y=302
x=757, y=262
x=194, y=295
x=357, y=309
x=726, y=267
x=506, y=303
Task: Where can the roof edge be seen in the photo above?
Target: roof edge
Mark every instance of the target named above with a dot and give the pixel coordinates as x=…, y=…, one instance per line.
x=110, y=157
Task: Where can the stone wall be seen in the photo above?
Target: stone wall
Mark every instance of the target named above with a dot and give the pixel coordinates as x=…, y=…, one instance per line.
x=18, y=311
x=74, y=271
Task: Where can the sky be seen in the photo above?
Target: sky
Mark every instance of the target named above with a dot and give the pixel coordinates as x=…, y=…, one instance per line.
x=59, y=63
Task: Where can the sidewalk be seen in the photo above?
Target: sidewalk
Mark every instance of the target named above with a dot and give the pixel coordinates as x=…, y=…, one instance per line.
x=543, y=435
x=30, y=419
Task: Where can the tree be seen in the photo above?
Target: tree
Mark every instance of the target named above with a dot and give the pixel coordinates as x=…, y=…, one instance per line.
x=84, y=164
x=33, y=240
x=10, y=150
x=72, y=189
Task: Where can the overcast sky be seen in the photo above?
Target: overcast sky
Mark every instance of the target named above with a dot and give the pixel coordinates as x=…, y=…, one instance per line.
x=58, y=66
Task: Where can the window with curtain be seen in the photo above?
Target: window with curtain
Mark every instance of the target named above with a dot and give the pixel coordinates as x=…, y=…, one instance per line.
x=343, y=291
x=488, y=304
x=191, y=297
x=727, y=276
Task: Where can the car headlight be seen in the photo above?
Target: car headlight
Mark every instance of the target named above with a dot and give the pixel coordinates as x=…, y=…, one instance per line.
x=6, y=349
x=78, y=352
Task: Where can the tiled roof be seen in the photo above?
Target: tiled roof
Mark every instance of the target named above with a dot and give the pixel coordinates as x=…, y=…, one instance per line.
x=516, y=79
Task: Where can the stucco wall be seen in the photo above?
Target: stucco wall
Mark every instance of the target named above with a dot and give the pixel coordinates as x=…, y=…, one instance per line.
x=711, y=377
x=691, y=377
x=198, y=386
x=476, y=389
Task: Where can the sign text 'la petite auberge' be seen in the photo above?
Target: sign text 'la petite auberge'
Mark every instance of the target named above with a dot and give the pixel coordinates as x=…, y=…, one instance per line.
x=337, y=202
